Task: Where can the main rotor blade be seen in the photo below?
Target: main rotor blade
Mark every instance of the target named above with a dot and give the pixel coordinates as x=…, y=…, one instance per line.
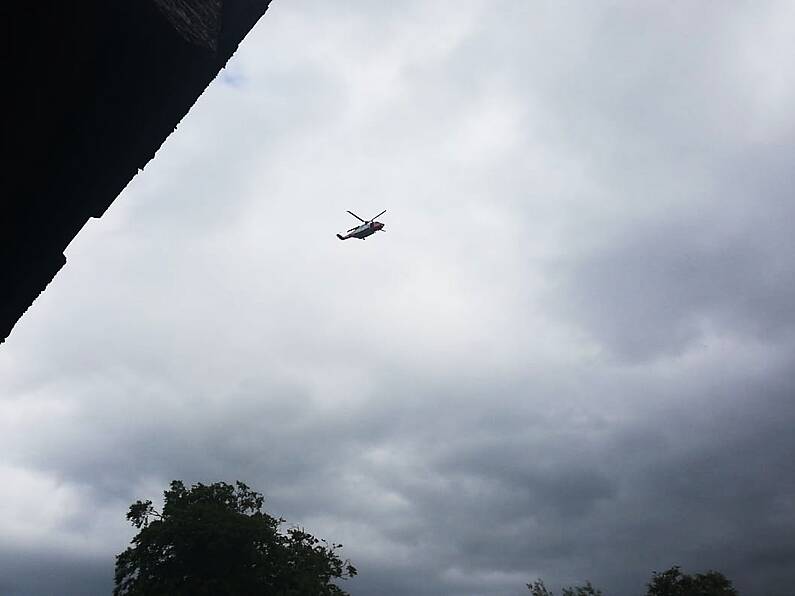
x=377, y=216
x=357, y=217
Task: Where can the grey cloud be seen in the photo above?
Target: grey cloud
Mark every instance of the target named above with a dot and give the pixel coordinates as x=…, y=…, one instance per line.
x=569, y=357
x=668, y=283
x=38, y=573
x=490, y=499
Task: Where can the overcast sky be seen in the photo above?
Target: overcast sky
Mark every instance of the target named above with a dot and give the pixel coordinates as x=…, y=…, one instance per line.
x=571, y=355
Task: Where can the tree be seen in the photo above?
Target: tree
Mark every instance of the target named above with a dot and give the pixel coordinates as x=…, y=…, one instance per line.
x=675, y=583
x=216, y=540
x=668, y=583
x=537, y=588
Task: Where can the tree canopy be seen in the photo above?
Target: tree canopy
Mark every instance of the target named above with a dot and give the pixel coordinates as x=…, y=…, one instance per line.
x=216, y=540
x=537, y=588
x=668, y=583
x=675, y=583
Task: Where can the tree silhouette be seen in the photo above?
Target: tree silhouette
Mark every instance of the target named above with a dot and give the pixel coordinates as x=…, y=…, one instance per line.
x=668, y=583
x=216, y=540
x=537, y=588
x=675, y=583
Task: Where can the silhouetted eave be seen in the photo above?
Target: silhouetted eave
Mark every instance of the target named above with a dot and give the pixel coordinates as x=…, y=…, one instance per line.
x=93, y=90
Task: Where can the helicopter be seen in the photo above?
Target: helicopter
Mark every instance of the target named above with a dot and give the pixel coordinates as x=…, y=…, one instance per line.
x=367, y=228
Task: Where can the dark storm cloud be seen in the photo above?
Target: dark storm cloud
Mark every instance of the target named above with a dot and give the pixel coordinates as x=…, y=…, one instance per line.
x=707, y=481
x=466, y=496
x=23, y=573
x=570, y=356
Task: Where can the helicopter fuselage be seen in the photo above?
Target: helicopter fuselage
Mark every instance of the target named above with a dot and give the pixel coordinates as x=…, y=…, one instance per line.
x=363, y=231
